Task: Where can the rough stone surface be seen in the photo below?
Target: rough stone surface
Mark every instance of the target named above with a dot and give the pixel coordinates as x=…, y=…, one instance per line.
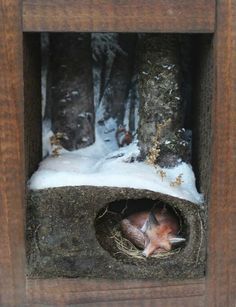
x=63, y=235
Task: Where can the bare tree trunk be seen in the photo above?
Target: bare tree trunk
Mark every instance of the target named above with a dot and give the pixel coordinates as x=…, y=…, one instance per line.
x=117, y=88
x=160, y=132
x=70, y=89
x=134, y=106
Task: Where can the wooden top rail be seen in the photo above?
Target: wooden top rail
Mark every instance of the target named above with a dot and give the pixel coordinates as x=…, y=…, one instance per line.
x=186, y=16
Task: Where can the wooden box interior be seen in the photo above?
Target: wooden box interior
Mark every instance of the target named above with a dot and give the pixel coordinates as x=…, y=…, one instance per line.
x=200, y=74
x=212, y=23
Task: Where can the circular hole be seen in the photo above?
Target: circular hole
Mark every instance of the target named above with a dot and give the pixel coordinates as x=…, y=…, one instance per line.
x=111, y=238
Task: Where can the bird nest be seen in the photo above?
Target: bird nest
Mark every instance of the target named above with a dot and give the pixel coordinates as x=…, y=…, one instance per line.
x=126, y=248
x=109, y=235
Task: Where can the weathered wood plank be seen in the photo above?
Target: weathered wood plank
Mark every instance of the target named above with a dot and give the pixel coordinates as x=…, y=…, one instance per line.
x=221, y=281
x=32, y=102
x=119, y=16
x=76, y=291
x=194, y=301
x=12, y=253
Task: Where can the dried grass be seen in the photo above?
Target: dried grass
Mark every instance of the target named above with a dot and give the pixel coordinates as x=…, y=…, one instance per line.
x=126, y=248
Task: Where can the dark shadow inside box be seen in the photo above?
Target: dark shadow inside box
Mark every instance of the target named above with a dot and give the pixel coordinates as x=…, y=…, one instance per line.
x=74, y=231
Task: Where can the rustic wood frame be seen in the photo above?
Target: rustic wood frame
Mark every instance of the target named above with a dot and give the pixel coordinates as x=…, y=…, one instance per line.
x=187, y=16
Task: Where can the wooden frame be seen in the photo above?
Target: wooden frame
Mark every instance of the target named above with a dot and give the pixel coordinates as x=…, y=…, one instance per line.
x=119, y=16
x=192, y=16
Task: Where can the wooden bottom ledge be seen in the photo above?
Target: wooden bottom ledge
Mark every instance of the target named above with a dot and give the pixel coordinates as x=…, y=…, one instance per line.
x=118, y=293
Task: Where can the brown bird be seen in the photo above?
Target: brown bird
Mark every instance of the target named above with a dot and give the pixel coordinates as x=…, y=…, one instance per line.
x=153, y=231
x=123, y=136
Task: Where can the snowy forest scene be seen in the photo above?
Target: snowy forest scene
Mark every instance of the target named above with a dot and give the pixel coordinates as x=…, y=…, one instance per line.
x=116, y=192
x=115, y=113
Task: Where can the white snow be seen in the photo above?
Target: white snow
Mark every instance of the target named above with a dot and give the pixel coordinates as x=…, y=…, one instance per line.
x=98, y=165
x=46, y=135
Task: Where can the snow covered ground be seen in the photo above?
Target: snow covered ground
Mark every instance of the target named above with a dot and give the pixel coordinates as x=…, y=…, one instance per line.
x=105, y=164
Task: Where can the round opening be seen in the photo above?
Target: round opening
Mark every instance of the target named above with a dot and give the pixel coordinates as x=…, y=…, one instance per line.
x=109, y=231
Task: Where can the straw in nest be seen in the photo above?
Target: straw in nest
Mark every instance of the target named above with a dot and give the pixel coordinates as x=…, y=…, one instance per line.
x=125, y=247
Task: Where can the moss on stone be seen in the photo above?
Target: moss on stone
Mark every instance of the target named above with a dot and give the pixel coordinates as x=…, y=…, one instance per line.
x=63, y=239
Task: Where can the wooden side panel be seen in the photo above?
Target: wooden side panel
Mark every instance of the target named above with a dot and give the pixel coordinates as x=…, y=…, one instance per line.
x=64, y=292
x=119, y=16
x=32, y=102
x=202, y=113
x=221, y=275
x=12, y=253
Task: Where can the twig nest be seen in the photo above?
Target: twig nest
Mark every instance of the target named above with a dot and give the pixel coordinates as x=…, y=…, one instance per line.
x=113, y=227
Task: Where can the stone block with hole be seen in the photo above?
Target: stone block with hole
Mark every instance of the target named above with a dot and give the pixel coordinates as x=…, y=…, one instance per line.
x=75, y=232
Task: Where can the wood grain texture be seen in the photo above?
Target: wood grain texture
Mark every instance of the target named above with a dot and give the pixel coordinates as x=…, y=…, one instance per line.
x=119, y=15
x=74, y=291
x=32, y=102
x=106, y=16
x=193, y=301
x=221, y=277
x=12, y=254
